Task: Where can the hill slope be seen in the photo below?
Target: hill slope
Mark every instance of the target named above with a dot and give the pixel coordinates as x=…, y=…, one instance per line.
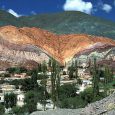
x=72, y=22
x=20, y=44
x=8, y=19
x=63, y=23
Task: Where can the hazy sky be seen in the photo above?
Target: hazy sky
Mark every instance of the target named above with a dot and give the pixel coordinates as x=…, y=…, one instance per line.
x=100, y=8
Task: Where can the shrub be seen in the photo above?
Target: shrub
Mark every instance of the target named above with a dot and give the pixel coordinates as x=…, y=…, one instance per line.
x=2, y=109
x=73, y=103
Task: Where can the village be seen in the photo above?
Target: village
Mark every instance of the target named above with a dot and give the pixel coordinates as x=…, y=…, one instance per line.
x=84, y=82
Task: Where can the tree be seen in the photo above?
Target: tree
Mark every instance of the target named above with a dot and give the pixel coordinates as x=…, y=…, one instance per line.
x=30, y=83
x=34, y=84
x=17, y=70
x=44, y=82
x=49, y=63
x=39, y=68
x=76, y=70
x=73, y=103
x=67, y=91
x=71, y=71
x=55, y=81
x=26, y=85
x=87, y=95
x=31, y=100
x=10, y=100
x=95, y=79
x=2, y=109
x=108, y=77
x=19, y=110
x=6, y=101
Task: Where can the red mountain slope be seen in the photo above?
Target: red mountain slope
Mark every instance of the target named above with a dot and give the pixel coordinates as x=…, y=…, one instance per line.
x=20, y=44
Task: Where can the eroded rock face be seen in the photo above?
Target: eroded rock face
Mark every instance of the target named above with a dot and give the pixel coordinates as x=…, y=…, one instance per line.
x=19, y=45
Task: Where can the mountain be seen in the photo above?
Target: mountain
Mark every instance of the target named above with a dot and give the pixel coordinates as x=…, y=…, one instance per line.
x=70, y=22
x=8, y=19
x=21, y=45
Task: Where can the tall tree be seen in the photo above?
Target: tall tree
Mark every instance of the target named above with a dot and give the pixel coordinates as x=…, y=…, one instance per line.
x=31, y=100
x=2, y=109
x=34, y=84
x=108, y=77
x=76, y=70
x=55, y=81
x=95, y=79
x=44, y=83
x=49, y=63
x=71, y=71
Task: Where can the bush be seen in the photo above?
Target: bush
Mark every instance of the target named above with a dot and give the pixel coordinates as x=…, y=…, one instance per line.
x=13, y=70
x=67, y=91
x=73, y=103
x=2, y=109
x=87, y=95
x=19, y=110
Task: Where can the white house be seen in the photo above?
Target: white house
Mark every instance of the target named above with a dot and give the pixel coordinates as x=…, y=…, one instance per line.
x=49, y=105
x=20, y=99
x=1, y=98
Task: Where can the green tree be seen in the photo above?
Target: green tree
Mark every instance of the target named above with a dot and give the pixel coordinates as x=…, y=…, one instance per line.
x=34, y=84
x=39, y=68
x=108, y=78
x=10, y=100
x=108, y=75
x=73, y=103
x=67, y=91
x=2, y=109
x=19, y=110
x=55, y=81
x=49, y=63
x=87, y=95
x=44, y=83
x=76, y=70
x=71, y=71
x=26, y=85
x=95, y=79
x=31, y=100
x=6, y=101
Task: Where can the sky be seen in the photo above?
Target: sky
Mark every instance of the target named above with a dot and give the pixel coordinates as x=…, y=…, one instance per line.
x=100, y=8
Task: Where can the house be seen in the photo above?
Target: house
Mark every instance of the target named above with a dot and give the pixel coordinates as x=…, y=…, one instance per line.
x=86, y=82
x=21, y=75
x=20, y=99
x=49, y=105
x=1, y=97
x=6, y=88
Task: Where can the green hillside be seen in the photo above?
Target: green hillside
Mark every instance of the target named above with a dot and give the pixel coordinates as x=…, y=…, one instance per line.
x=63, y=23
x=72, y=22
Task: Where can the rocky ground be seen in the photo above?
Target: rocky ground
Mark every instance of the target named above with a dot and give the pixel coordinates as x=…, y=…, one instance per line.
x=105, y=106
